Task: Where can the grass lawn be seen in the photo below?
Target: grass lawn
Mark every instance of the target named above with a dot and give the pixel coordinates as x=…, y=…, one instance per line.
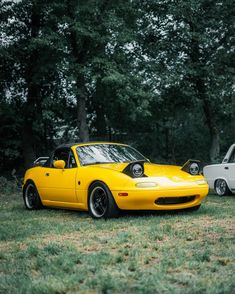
x=58, y=251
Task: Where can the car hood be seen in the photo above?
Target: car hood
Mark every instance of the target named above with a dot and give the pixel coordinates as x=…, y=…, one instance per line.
x=152, y=170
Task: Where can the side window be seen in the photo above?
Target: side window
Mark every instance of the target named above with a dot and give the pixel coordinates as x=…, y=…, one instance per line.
x=61, y=154
x=72, y=161
x=66, y=155
x=232, y=157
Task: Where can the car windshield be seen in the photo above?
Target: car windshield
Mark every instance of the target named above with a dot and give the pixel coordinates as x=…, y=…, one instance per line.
x=107, y=153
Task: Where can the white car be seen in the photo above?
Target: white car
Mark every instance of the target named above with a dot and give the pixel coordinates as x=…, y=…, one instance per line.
x=221, y=177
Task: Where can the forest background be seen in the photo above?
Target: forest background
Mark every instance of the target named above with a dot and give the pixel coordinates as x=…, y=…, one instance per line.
x=158, y=75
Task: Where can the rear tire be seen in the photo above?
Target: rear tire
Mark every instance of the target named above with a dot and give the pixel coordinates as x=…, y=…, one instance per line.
x=100, y=202
x=221, y=188
x=31, y=197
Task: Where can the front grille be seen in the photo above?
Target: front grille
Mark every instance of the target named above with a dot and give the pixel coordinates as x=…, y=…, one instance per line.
x=174, y=200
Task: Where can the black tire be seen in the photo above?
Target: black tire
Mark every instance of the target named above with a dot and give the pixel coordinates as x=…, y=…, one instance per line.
x=221, y=188
x=100, y=202
x=31, y=197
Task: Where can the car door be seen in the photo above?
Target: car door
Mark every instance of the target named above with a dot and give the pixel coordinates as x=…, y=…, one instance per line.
x=58, y=185
x=230, y=169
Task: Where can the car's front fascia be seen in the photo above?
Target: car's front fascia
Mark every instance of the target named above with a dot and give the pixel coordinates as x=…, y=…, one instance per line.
x=148, y=192
x=159, y=193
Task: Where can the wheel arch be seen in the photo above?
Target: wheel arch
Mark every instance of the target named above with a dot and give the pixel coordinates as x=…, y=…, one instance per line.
x=32, y=182
x=99, y=181
x=27, y=182
x=95, y=181
x=221, y=178
x=37, y=199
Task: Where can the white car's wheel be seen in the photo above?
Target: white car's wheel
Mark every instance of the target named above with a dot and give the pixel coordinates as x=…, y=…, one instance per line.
x=221, y=187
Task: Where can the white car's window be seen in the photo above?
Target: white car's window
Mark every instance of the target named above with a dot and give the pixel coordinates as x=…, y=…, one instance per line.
x=232, y=157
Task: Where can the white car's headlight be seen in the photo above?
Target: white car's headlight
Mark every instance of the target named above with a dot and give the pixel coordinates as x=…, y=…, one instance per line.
x=146, y=185
x=201, y=182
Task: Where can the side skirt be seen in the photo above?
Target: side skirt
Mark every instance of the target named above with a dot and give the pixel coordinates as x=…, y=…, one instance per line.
x=67, y=205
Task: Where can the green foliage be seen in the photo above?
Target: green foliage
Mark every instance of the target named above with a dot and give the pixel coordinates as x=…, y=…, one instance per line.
x=186, y=46
x=156, y=74
x=8, y=187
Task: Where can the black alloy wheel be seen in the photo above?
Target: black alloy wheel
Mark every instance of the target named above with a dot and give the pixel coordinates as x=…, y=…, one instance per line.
x=100, y=202
x=31, y=197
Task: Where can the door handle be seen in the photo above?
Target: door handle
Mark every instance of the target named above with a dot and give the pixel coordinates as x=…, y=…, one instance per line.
x=226, y=167
x=47, y=174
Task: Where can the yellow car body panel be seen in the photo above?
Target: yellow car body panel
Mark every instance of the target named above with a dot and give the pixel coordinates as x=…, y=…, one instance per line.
x=69, y=187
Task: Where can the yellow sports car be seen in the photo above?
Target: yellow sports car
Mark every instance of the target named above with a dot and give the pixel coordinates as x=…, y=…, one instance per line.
x=105, y=178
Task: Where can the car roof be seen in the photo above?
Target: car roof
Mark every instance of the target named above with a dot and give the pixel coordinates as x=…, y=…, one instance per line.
x=69, y=145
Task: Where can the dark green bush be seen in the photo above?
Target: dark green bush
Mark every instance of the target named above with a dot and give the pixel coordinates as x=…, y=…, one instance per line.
x=9, y=186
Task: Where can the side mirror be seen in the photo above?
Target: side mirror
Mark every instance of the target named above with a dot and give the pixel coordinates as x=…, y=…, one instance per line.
x=59, y=164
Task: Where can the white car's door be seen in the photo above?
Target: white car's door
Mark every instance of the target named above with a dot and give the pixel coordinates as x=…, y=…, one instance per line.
x=230, y=169
x=231, y=177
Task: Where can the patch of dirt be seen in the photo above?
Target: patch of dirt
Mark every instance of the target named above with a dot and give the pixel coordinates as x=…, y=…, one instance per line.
x=97, y=240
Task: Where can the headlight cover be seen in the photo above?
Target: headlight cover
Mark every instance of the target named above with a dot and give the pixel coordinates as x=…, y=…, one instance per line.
x=134, y=170
x=193, y=167
x=137, y=170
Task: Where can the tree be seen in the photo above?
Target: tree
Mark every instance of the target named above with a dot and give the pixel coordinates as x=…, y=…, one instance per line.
x=190, y=45
x=155, y=74
x=91, y=30
x=32, y=50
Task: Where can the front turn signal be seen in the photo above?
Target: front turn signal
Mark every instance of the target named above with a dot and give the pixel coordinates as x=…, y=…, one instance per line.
x=123, y=194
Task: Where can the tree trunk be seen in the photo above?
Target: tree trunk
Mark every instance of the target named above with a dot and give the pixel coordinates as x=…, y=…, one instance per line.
x=102, y=125
x=82, y=119
x=200, y=87
x=215, y=147
x=210, y=121
x=32, y=108
x=166, y=142
x=28, y=136
x=28, y=146
x=214, y=132
x=79, y=55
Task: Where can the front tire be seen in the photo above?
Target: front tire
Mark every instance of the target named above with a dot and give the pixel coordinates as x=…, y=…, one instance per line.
x=31, y=197
x=221, y=187
x=100, y=202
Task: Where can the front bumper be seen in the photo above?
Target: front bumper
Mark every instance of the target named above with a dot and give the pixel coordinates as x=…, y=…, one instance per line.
x=150, y=199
